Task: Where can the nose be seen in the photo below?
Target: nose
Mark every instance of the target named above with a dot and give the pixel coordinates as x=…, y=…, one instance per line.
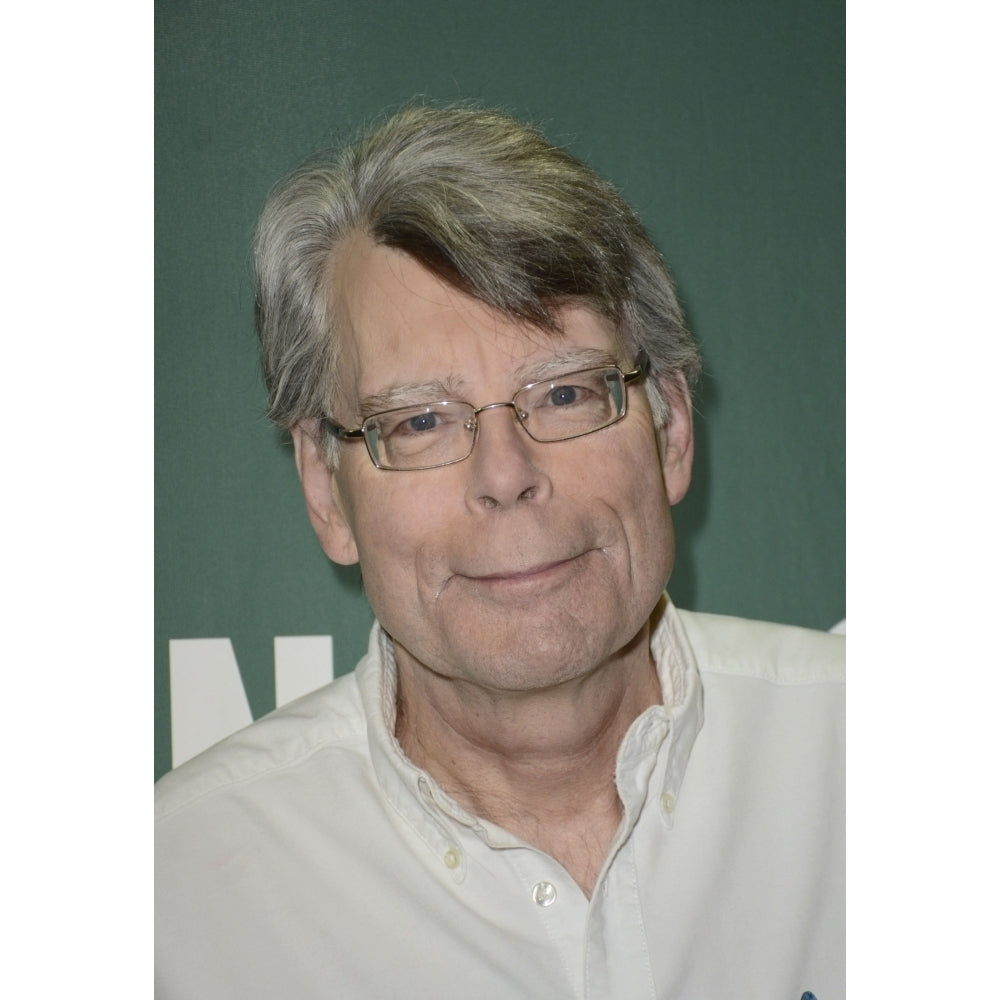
x=503, y=470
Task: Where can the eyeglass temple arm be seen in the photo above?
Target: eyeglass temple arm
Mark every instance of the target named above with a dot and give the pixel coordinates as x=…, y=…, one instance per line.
x=341, y=432
x=641, y=366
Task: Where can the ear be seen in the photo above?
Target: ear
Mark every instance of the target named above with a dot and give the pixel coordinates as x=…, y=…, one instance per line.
x=676, y=439
x=323, y=498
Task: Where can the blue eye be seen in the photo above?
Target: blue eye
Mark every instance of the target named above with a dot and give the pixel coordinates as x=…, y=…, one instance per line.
x=422, y=422
x=563, y=395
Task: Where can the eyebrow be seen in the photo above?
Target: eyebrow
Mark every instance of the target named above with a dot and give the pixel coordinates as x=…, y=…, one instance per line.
x=454, y=388
x=411, y=394
x=564, y=361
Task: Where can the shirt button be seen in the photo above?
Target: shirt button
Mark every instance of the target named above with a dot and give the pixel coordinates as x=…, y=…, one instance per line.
x=667, y=802
x=452, y=858
x=544, y=894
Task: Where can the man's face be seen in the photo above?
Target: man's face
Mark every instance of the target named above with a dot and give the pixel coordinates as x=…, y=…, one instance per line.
x=527, y=564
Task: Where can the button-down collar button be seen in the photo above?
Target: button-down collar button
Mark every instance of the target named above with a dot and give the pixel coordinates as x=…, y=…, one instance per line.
x=452, y=858
x=544, y=893
x=667, y=802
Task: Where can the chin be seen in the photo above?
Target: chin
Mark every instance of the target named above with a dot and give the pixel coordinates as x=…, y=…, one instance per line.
x=529, y=657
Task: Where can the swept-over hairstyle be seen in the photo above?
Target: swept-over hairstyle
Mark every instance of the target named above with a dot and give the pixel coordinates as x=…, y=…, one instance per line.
x=487, y=204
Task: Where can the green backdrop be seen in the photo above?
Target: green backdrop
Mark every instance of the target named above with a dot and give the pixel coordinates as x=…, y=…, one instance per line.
x=722, y=121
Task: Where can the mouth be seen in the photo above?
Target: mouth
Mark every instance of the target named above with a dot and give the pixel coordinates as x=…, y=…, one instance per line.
x=518, y=582
x=515, y=575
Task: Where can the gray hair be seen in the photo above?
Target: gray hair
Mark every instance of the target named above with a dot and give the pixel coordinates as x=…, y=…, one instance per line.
x=485, y=203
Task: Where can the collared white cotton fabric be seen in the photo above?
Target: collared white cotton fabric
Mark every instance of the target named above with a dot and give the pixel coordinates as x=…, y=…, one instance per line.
x=307, y=857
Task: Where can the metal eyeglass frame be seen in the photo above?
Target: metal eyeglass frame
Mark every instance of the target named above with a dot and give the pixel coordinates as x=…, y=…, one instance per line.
x=361, y=433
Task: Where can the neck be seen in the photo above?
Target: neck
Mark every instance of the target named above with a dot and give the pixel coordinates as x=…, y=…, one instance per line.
x=539, y=763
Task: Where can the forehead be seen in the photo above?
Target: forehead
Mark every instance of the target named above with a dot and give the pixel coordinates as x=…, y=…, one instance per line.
x=397, y=322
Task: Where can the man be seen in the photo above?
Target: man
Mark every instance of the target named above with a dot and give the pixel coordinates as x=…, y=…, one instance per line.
x=543, y=779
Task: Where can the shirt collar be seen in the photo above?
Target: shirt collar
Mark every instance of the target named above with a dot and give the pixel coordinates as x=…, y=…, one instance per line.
x=653, y=756
x=656, y=747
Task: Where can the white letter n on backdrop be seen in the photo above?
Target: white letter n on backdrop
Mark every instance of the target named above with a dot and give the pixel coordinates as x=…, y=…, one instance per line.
x=207, y=697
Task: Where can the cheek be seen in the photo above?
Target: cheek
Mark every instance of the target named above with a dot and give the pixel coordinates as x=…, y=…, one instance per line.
x=399, y=530
x=653, y=543
x=646, y=511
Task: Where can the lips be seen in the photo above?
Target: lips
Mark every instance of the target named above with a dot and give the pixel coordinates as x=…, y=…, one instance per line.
x=515, y=575
x=522, y=583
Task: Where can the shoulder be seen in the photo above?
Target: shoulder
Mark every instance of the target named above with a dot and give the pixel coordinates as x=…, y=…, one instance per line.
x=781, y=654
x=328, y=719
x=774, y=723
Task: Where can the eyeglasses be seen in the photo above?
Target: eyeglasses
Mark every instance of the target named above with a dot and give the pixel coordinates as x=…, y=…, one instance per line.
x=412, y=438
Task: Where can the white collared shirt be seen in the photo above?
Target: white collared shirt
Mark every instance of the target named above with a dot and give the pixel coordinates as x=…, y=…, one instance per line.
x=308, y=857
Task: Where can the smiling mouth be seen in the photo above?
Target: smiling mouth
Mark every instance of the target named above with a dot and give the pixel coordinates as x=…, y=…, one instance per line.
x=517, y=582
x=534, y=572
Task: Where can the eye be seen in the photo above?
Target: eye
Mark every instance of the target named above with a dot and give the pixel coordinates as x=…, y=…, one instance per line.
x=563, y=395
x=420, y=423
